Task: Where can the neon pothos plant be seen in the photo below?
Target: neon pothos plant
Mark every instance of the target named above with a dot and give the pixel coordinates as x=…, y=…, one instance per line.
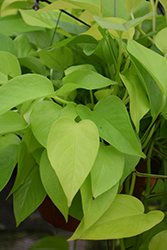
x=77, y=117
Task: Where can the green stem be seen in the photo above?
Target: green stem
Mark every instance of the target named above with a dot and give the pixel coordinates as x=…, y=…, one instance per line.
x=122, y=244
x=157, y=176
x=111, y=50
x=154, y=195
x=58, y=99
x=75, y=245
x=132, y=186
x=106, y=243
x=143, y=33
x=91, y=97
x=154, y=6
x=113, y=244
x=119, y=57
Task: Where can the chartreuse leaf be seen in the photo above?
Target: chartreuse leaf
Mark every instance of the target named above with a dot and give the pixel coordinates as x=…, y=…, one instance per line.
x=23, y=88
x=9, y=64
x=60, y=4
x=139, y=104
x=45, y=20
x=160, y=39
x=52, y=185
x=124, y=218
x=121, y=11
x=72, y=148
x=15, y=24
x=69, y=110
x=57, y=58
x=154, y=63
x=93, y=209
x=86, y=79
x=159, y=241
x=164, y=3
x=50, y=243
x=92, y=6
x=107, y=169
x=3, y=78
x=115, y=25
x=29, y=196
x=11, y=122
x=8, y=160
x=113, y=123
x=131, y=4
x=42, y=117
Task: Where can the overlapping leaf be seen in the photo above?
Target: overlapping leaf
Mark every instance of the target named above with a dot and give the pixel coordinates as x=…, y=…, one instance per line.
x=86, y=79
x=150, y=73
x=11, y=122
x=139, y=104
x=94, y=208
x=112, y=120
x=124, y=218
x=58, y=58
x=154, y=63
x=42, y=117
x=23, y=88
x=9, y=64
x=8, y=159
x=107, y=169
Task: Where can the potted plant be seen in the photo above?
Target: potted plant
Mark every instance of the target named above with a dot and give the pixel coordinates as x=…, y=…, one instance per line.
x=84, y=118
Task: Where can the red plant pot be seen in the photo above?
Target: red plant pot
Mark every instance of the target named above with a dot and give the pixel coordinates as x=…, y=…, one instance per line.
x=52, y=215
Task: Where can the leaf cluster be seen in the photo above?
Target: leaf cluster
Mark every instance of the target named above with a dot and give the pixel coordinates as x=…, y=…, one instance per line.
x=83, y=116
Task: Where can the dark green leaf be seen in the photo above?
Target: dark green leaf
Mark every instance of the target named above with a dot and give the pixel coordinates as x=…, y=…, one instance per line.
x=52, y=185
x=28, y=196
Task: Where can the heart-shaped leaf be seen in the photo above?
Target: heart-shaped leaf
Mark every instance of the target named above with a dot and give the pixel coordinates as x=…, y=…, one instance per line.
x=72, y=148
x=124, y=218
